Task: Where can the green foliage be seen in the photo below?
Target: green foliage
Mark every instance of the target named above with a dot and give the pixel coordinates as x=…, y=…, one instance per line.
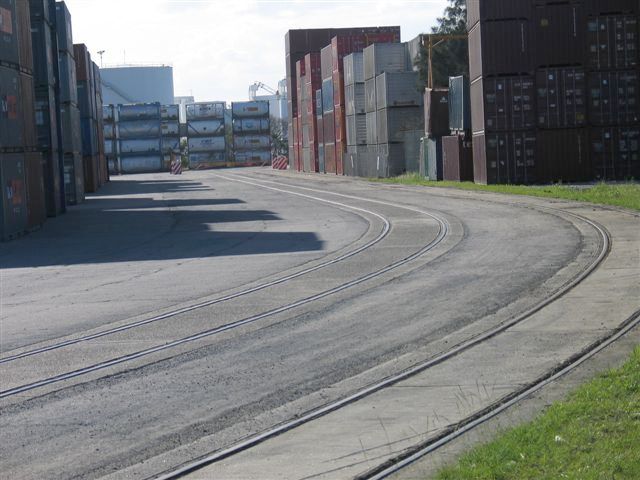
x=625, y=195
x=594, y=434
x=279, y=142
x=450, y=58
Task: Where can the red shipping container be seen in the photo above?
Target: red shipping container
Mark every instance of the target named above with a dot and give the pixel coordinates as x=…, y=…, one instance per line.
x=83, y=62
x=341, y=151
x=329, y=158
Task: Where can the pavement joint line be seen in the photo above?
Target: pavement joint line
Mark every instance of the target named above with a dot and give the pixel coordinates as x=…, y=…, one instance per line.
x=392, y=380
x=381, y=236
x=442, y=234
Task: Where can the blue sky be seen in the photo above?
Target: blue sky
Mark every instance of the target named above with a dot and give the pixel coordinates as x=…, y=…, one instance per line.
x=219, y=47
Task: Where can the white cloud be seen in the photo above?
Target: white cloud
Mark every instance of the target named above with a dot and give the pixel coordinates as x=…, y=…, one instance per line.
x=219, y=47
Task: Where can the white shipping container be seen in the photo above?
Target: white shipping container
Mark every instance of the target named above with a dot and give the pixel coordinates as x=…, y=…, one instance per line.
x=370, y=95
x=170, y=129
x=384, y=57
x=170, y=112
x=205, y=110
x=146, y=145
x=372, y=128
x=205, y=128
x=252, y=142
x=398, y=90
x=355, y=99
x=354, y=69
x=255, y=108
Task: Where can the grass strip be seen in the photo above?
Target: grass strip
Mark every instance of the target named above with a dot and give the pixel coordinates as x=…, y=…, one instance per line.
x=594, y=434
x=626, y=195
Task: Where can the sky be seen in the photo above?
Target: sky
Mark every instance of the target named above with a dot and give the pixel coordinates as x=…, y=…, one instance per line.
x=219, y=47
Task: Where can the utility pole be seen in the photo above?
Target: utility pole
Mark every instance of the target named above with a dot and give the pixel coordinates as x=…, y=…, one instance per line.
x=428, y=42
x=101, y=52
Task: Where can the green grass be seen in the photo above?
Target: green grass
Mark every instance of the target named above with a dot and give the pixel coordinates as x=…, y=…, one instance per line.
x=620, y=195
x=593, y=435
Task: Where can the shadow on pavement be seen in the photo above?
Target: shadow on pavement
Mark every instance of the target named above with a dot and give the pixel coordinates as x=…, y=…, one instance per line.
x=132, y=229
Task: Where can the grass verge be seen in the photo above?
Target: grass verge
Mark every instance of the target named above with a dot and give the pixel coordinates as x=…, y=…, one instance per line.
x=594, y=434
x=625, y=195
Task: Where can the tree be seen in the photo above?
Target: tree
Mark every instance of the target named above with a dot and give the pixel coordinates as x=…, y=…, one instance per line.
x=279, y=141
x=450, y=58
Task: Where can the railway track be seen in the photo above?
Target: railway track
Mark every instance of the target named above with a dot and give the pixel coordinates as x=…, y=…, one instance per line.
x=443, y=229
x=396, y=464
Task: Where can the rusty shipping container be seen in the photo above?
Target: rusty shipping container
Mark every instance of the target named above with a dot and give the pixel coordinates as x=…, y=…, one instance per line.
x=615, y=152
x=500, y=48
x=457, y=159
x=561, y=97
x=560, y=34
x=436, y=112
x=614, y=98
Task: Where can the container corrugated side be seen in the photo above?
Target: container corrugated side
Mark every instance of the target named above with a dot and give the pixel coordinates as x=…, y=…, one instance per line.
x=354, y=69
x=384, y=57
x=356, y=130
x=436, y=112
x=371, y=103
x=9, y=34
x=612, y=42
x=398, y=90
x=392, y=123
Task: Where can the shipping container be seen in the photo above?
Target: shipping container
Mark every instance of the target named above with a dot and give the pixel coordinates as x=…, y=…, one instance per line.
x=67, y=78
x=354, y=69
x=170, y=144
x=503, y=103
x=83, y=62
x=414, y=51
x=393, y=123
x=561, y=98
x=211, y=110
x=205, y=128
x=202, y=161
x=63, y=28
x=71, y=129
x=252, y=109
x=384, y=57
x=169, y=129
x=356, y=130
x=73, y=178
x=563, y=155
x=411, y=144
x=108, y=113
x=457, y=159
x=109, y=131
x=206, y=144
x=254, y=157
x=138, y=129
x=390, y=161
x=252, y=142
x=43, y=71
x=36, y=203
x=600, y=7
x=327, y=95
x=483, y=10
x=371, y=103
x=52, y=183
x=459, y=104
x=506, y=158
x=615, y=152
x=612, y=42
x=13, y=216
x=614, y=98
x=91, y=174
x=326, y=62
x=145, y=145
x=436, y=112
x=500, y=48
x=372, y=128
x=560, y=34
x=170, y=112
x=28, y=108
x=138, y=111
x=9, y=34
x=431, y=155
x=12, y=116
x=398, y=90
x=25, y=49
x=142, y=164
x=355, y=99
x=89, y=135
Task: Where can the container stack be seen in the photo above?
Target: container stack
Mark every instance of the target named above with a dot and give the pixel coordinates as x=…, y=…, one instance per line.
x=304, y=154
x=20, y=164
x=356, y=116
x=170, y=134
x=328, y=112
x=139, y=138
x=299, y=43
x=320, y=130
x=457, y=153
x=297, y=161
x=613, y=100
x=45, y=53
x=436, y=126
x=395, y=117
x=206, y=135
x=313, y=84
x=554, y=90
x=251, y=133
x=69, y=111
x=103, y=169
x=110, y=138
x=87, y=102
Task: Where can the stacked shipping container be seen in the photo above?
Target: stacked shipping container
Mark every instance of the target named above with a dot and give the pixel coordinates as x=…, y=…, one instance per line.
x=169, y=134
x=69, y=111
x=206, y=135
x=45, y=54
x=356, y=115
x=139, y=138
x=299, y=43
x=251, y=133
x=554, y=90
x=457, y=159
x=436, y=126
x=19, y=160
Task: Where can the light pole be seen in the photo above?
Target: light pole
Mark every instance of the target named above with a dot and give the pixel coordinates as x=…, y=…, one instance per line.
x=101, y=52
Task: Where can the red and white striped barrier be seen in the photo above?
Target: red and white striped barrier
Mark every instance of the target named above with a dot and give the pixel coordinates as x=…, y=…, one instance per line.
x=176, y=168
x=280, y=163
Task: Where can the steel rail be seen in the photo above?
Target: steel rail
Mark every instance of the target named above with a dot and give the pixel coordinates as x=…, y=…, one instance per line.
x=442, y=234
x=408, y=373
